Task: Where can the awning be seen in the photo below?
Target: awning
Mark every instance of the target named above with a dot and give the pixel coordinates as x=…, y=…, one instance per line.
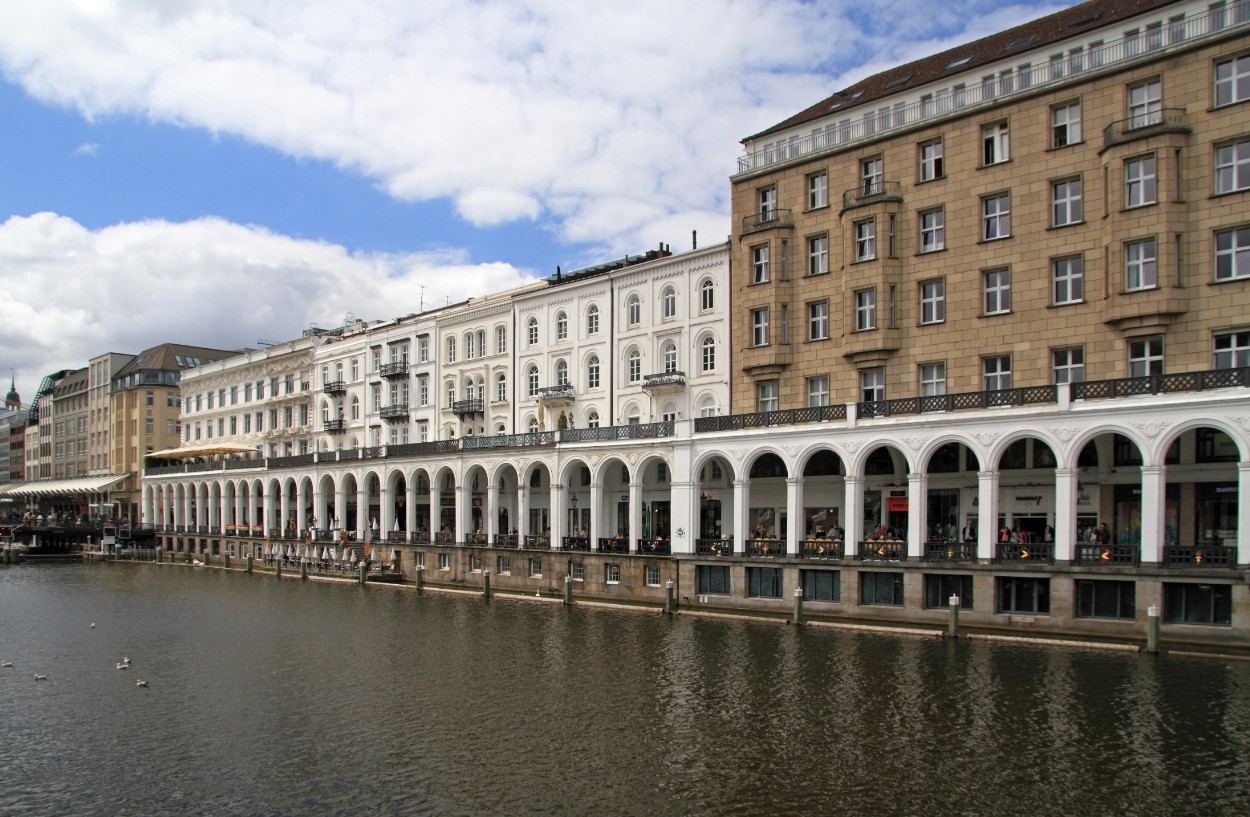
x=65, y=487
x=189, y=451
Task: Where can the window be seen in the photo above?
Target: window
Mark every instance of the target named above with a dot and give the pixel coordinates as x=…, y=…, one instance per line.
x=881, y=588
x=651, y=576
x=821, y=585
x=1145, y=104
x=759, y=326
x=501, y=340
x=707, y=295
x=668, y=299
x=932, y=230
x=766, y=396
x=1023, y=596
x=531, y=331
x=759, y=264
x=817, y=190
x=470, y=349
x=1145, y=357
x=501, y=388
x=451, y=392
x=995, y=217
x=1232, y=167
x=423, y=390
x=995, y=144
x=764, y=582
x=818, y=321
x=531, y=377
x=865, y=310
x=451, y=350
x=933, y=301
x=865, y=240
x=818, y=391
x=872, y=175
x=1065, y=124
x=669, y=356
x=1140, y=269
x=1105, y=599
x=1232, y=350
x=932, y=379
x=1066, y=202
x=592, y=419
x=1067, y=365
x=562, y=326
x=1139, y=181
x=1067, y=280
x=423, y=350
x=938, y=589
x=768, y=203
x=562, y=373
x=612, y=573
x=592, y=372
x=1232, y=254
x=997, y=292
x=592, y=321
x=709, y=355
x=872, y=385
x=931, y=166
x=634, y=365
x=996, y=372
x=1197, y=604
x=536, y=567
x=712, y=580
x=1232, y=80
x=818, y=255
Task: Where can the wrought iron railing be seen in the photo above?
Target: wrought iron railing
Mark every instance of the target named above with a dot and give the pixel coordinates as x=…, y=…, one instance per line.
x=530, y=542
x=714, y=547
x=871, y=193
x=1163, y=120
x=551, y=393
x=1027, y=395
x=417, y=449
x=1109, y=555
x=1042, y=552
x=618, y=544
x=289, y=462
x=462, y=407
x=821, y=549
x=636, y=431
x=509, y=440
x=1196, y=556
x=765, y=419
x=873, y=121
x=334, y=387
x=475, y=538
x=944, y=550
x=397, y=411
x=663, y=379
x=505, y=540
x=397, y=369
x=655, y=547
x=577, y=543
x=1162, y=383
x=765, y=547
x=882, y=550
x=767, y=219
x=444, y=538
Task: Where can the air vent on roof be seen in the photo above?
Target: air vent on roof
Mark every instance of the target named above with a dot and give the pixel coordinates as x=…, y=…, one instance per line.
x=1022, y=42
x=958, y=62
x=1086, y=20
x=894, y=83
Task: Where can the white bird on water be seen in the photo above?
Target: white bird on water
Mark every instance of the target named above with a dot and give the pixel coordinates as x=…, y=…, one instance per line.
x=123, y=666
x=8, y=663
x=141, y=683
x=41, y=677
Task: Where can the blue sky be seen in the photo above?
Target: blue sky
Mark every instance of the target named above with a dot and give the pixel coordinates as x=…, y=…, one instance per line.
x=218, y=173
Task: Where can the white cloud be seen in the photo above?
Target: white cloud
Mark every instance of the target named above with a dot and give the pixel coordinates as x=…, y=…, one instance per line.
x=87, y=149
x=72, y=293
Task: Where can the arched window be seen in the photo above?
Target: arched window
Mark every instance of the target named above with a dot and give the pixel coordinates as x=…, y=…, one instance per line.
x=481, y=388
x=708, y=407
x=501, y=340
x=670, y=357
x=668, y=299
x=499, y=429
x=468, y=345
x=533, y=428
x=592, y=419
x=635, y=416
x=562, y=373
x=325, y=375
x=592, y=320
x=355, y=408
x=338, y=371
x=355, y=370
x=669, y=414
x=592, y=372
x=325, y=413
x=451, y=392
x=709, y=354
x=633, y=310
x=481, y=343
x=634, y=360
x=451, y=350
x=707, y=295
x=562, y=326
x=532, y=331
x=468, y=388
x=501, y=388
x=531, y=378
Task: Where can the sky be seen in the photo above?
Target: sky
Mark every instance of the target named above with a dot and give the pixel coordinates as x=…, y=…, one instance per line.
x=227, y=173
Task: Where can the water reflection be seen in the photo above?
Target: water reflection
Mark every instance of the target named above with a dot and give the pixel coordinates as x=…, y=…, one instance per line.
x=282, y=697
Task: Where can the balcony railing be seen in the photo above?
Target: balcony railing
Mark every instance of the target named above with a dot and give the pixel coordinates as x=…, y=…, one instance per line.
x=1041, y=552
x=618, y=544
x=1107, y=555
x=767, y=219
x=882, y=550
x=821, y=549
x=444, y=538
x=873, y=121
x=766, y=547
x=475, y=538
x=428, y=447
x=556, y=394
x=871, y=193
x=664, y=381
x=1162, y=383
x=505, y=540
x=714, y=547
x=509, y=440
x=1165, y=120
x=635, y=431
x=395, y=369
x=580, y=544
x=765, y=419
x=530, y=542
x=655, y=547
x=398, y=411
x=1196, y=556
x=942, y=550
x=335, y=426
x=462, y=408
x=334, y=387
x=1025, y=396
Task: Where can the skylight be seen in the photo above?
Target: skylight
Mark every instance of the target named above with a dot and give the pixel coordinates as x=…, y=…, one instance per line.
x=894, y=83
x=958, y=62
x=1022, y=42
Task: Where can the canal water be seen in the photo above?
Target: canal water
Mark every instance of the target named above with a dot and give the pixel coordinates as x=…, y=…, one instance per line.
x=280, y=697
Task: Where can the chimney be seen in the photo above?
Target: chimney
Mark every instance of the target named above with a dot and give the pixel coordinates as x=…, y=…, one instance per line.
x=694, y=239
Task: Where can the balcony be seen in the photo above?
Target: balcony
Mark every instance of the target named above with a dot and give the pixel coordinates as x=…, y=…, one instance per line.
x=871, y=193
x=883, y=550
x=466, y=408
x=664, y=382
x=399, y=411
x=335, y=426
x=1039, y=553
x=618, y=545
x=767, y=219
x=556, y=395
x=943, y=550
x=1106, y=555
x=766, y=547
x=580, y=544
x=1198, y=556
x=821, y=549
x=334, y=387
x=1142, y=126
x=505, y=540
x=714, y=547
x=394, y=369
x=634, y=431
x=655, y=547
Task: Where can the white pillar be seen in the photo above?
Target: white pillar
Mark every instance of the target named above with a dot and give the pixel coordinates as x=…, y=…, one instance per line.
x=682, y=535
x=284, y=507
x=267, y=503
x=491, y=512
x=741, y=530
x=464, y=510
x=596, y=513
x=1243, y=513
x=522, y=513
x=436, y=510
x=556, y=513
x=1065, y=514
x=301, y=505
x=225, y=510
x=1153, y=504
x=340, y=502
x=853, y=511
x=794, y=515
x=917, y=514
x=987, y=514
x=410, y=506
x=147, y=504
x=635, y=512
x=362, y=510
x=386, y=511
